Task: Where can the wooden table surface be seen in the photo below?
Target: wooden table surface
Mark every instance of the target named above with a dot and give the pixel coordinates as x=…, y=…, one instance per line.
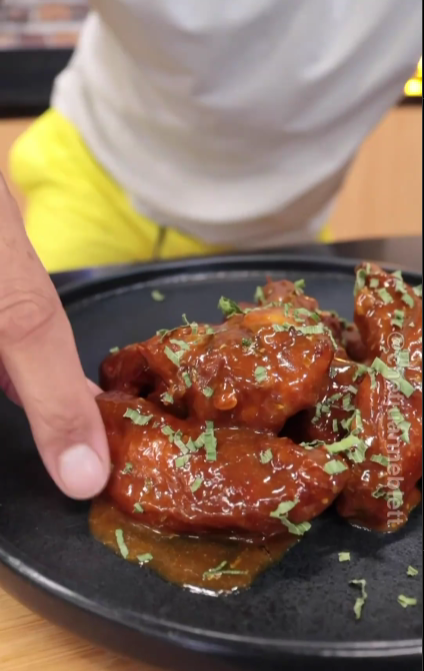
x=382, y=196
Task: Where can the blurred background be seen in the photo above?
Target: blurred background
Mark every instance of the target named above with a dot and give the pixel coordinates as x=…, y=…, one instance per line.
x=381, y=197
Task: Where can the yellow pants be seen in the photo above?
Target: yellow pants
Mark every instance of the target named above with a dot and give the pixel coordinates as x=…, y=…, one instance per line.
x=77, y=215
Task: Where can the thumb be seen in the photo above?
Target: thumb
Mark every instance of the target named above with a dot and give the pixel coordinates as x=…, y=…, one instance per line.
x=40, y=357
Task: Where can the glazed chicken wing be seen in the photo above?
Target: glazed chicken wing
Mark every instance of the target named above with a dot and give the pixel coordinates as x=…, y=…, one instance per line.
x=187, y=476
x=259, y=369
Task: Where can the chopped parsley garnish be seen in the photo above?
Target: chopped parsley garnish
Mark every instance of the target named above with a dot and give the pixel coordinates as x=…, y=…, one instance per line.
x=402, y=358
x=397, y=497
x=385, y=296
x=344, y=556
x=187, y=380
x=260, y=374
x=381, y=492
x=259, y=296
x=167, y=431
x=157, y=296
x=193, y=325
x=138, y=508
x=394, y=376
x=361, y=277
x=128, y=468
x=220, y=570
x=167, y=398
x=354, y=447
x=136, y=417
x=210, y=442
x=196, y=484
x=279, y=328
x=374, y=282
x=229, y=307
x=119, y=535
x=246, y=342
x=145, y=558
x=361, y=369
x=265, y=456
x=281, y=514
x=178, y=442
x=182, y=460
x=299, y=286
x=406, y=601
x=207, y=391
x=398, y=319
x=418, y=291
x=283, y=508
x=408, y=300
x=335, y=425
x=174, y=357
x=334, y=467
x=353, y=390
x=400, y=421
x=398, y=274
x=347, y=403
x=162, y=333
x=360, y=601
x=380, y=459
x=412, y=571
x=113, y=350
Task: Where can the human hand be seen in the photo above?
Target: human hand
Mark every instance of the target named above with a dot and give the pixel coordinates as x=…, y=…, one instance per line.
x=39, y=365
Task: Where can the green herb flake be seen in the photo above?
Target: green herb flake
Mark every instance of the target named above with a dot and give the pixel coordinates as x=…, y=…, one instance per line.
x=174, y=357
x=167, y=398
x=281, y=514
x=182, y=460
x=412, y=571
x=229, y=307
x=361, y=277
x=398, y=274
x=187, y=380
x=347, y=403
x=210, y=442
x=380, y=459
x=397, y=497
x=379, y=492
x=265, y=456
x=299, y=286
x=144, y=558
x=220, y=570
x=354, y=447
x=394, y=376
x=418, y=291
x=259, y=296
x=385, y=296
x=344, y=556
x=402, y=358
x=406, y=601
x=360, y=601
x=374, y=283
x=196, y=484
x=334, y=397
x=207, y=391
x=408, y=300
x=138, y=508
x=113, y=350
x=157, y=296
x=180, y=343
x=162, y=333
x=335, y=425
x=361, y=369
x=260, y=374
x=246, y=342
x=193, y=325
x=119, y=535
x=334, y=467
x=398, y=319
x=128, y=468
x=167, y=431
x=400, y=421
x=136, y=417
x=283, y=508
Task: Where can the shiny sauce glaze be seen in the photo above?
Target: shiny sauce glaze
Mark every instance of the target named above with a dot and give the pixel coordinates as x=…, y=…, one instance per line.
x=205, y=565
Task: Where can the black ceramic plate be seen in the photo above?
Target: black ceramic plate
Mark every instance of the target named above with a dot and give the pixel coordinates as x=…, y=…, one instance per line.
x=297, y=613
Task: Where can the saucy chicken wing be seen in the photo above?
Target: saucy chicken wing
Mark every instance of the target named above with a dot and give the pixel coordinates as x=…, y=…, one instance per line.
x=186, y=476
x=257, y=370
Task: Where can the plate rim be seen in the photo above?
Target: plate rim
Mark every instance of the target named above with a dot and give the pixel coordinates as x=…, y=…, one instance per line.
x=189, y=637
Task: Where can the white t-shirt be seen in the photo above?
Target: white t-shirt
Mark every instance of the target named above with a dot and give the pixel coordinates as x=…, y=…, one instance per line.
x=236, y=120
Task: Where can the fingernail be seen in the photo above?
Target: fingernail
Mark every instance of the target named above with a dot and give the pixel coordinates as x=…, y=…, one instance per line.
x=82, y=473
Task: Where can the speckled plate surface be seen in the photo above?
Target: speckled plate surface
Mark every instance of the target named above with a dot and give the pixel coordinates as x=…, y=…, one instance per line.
x=299, y=612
